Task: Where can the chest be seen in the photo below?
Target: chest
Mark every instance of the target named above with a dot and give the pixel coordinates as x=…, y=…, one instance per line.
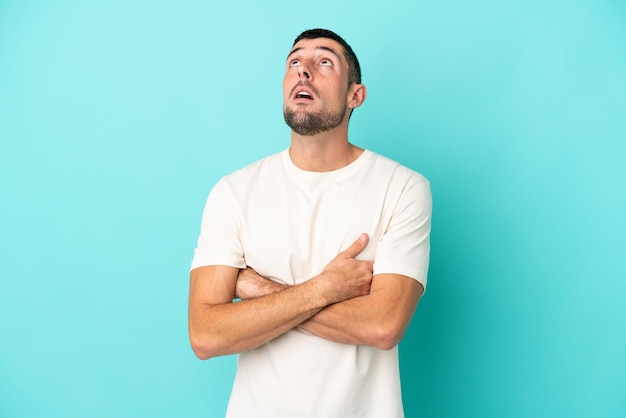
x=290, y=233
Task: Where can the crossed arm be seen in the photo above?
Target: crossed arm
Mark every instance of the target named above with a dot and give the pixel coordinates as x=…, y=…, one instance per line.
x=344, y=303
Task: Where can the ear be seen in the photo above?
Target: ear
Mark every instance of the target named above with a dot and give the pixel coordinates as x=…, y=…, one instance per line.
x=356, y=95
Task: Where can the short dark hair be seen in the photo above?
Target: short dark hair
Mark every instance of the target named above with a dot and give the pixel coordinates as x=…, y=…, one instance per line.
x=353, y=63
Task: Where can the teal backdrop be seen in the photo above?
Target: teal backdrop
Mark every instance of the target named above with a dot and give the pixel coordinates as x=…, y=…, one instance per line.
x=117, y=117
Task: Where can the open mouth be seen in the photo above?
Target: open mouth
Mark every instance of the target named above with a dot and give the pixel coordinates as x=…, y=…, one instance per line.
x=302, y=92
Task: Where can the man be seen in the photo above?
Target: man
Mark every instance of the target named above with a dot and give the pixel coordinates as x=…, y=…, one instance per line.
x=326, y=245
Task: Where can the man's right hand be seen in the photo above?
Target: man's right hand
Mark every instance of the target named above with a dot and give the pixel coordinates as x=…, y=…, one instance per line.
x=345, y=277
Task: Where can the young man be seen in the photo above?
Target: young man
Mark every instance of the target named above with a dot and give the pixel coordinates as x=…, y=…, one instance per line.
x=326, y=245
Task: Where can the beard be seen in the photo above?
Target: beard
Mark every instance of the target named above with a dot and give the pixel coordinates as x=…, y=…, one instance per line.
x=313, y=123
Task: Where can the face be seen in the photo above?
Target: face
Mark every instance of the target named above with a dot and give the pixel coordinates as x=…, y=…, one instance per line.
x=316, y=92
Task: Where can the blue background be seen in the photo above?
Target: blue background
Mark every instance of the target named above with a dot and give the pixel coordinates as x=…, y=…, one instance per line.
x=117, y=117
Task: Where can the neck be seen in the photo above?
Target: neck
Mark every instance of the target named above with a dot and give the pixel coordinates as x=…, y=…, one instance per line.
x=326, y=151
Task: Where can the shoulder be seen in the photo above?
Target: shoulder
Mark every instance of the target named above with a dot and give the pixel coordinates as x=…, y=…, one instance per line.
x=390, y=168
x=253, y=172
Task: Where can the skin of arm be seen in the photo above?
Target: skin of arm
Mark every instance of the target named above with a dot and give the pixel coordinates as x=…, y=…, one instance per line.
x=378, y=319
x=218, y=327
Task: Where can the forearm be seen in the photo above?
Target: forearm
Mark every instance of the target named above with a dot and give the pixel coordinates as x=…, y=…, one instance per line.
x=229, y=328
x=217, y=326
x=328, y=323
x=377, y=319
x=347, y=322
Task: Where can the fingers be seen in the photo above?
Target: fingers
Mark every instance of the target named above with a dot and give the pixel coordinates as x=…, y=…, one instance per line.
x=357, y=246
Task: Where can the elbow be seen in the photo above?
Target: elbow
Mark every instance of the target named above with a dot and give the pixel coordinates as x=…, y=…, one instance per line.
x=386, y=343
x=200, y=352
x=201, y=346
x=388, y=336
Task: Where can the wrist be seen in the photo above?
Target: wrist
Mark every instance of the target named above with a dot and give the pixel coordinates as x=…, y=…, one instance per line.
x=325, y=288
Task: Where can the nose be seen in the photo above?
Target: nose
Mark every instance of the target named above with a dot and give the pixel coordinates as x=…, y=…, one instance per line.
x=305, y=73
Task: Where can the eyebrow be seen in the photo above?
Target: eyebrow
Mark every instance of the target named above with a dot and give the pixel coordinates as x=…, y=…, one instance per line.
x=324, y=48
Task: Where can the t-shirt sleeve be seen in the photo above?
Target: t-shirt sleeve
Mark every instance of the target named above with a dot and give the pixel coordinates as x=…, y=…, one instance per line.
x=219, y=242
x=404, y=247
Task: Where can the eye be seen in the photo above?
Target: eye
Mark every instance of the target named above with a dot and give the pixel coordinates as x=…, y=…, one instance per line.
x=294, y=63
x=326, y=63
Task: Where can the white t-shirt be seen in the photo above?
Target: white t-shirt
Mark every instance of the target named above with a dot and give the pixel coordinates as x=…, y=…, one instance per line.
x=288, y=224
